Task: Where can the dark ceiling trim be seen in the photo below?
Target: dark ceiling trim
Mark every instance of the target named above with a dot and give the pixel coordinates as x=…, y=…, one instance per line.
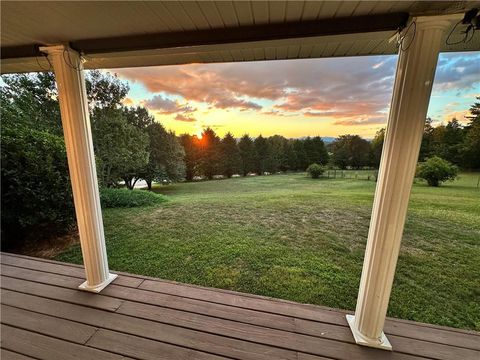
x=289, y=30
x=24, y=51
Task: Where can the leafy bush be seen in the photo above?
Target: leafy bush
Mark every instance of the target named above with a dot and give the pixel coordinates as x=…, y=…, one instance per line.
x=436, y=170
x=115, y=198
x=36, y=192
x=315, y=170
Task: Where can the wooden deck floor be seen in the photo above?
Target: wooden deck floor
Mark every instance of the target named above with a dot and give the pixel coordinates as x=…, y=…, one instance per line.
x=44, y=316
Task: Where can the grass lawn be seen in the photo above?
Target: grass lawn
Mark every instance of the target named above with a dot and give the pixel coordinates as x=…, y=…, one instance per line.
x=291, y=237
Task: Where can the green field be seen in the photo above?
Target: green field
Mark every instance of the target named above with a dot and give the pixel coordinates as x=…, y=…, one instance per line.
x=291, y=237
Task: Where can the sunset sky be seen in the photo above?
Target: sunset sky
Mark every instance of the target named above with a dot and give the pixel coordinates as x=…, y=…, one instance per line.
x=294, y=98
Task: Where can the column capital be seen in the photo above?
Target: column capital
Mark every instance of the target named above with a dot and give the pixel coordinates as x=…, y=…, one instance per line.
x=436, y=21
x=56, y=49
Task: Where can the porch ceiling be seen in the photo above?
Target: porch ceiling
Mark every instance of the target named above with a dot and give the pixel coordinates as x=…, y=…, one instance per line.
x=141, y=33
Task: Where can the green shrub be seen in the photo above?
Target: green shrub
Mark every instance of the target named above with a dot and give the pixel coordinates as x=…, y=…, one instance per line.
x=115, y=198
x=36, y=191
x=436, y=170
x=315, y=170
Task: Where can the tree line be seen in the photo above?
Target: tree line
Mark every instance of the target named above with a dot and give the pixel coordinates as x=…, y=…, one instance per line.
x=456, y=143
x=209, y=155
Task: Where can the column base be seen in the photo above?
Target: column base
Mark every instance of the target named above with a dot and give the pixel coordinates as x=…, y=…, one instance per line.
x=99, y=287
x=381, y=343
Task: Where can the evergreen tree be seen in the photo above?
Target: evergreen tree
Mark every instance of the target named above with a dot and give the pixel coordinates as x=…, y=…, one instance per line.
x=276, y=146
x=191, y=155
x=376, y=147
x=261, y=154
x=301, y=155
x=471, y=145
x=315, y=150
x=289, y=159
x=230, y=156
x=247, y=154
x=426, y=147
x=210, y=153
x=454, y=137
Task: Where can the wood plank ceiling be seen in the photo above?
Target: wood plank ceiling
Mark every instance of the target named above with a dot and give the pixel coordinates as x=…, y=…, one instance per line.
x=40, y=23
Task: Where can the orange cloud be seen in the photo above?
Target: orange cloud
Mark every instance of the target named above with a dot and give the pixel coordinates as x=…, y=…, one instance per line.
x=365, y=120
x=128, y=101
x=201, y=84
x=461, y=116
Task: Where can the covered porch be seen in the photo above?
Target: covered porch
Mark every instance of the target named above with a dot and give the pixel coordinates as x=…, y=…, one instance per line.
x=46, y=316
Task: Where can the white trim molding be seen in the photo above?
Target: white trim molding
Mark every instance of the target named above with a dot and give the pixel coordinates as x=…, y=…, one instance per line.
x=411, y=94
x=72, y=96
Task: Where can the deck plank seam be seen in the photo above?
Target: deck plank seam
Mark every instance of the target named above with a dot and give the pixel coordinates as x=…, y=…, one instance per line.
x=86, y=341
x=19, y=353
x=140, y=284
x=16, y=326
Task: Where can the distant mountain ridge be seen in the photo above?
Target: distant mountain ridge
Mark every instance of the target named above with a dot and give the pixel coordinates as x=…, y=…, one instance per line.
x=326, y=139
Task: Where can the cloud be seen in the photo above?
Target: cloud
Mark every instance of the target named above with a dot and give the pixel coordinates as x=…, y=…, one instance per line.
x=185, y=118
x=362, y=121
x=351, y=91
x=378, y=65
x=315, y=87
x=278, y=113
x=461, y=116
x=219, y=86
x=457, y=72
x=164, y=105
x=318, y=113
x=243, y=105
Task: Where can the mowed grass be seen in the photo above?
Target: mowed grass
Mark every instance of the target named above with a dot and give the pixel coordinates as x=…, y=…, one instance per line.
x=291, y=237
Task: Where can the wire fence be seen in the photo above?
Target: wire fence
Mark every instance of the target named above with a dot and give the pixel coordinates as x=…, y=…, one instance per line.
x=369, y=175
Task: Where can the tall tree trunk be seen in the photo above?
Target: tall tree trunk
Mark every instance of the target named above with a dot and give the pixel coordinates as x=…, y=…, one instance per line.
x=149, y=184
x=134, y=182
x=128, y=183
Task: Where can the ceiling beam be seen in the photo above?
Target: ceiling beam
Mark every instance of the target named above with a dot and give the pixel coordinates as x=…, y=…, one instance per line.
x=241, y=34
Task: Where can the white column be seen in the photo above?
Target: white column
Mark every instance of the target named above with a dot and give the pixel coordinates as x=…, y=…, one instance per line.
x=411, y=95
x=72, y=96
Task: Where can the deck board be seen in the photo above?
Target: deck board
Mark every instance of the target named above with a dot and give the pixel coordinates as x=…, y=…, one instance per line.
x=147, y=318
